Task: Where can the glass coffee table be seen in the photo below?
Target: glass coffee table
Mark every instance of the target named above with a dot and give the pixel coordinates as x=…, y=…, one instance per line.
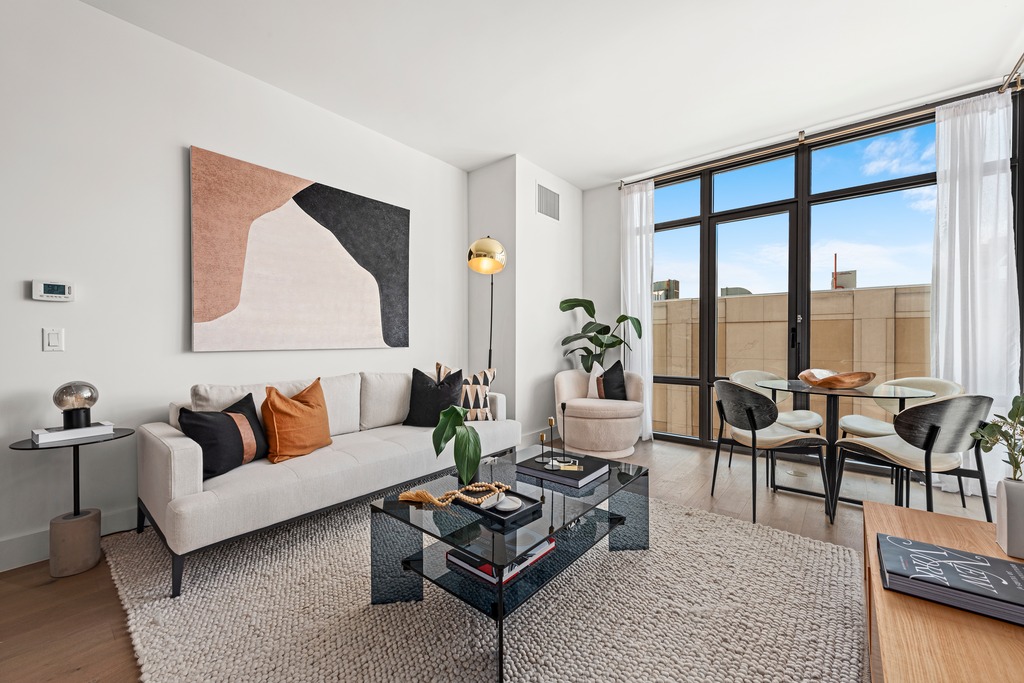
x=400, y=560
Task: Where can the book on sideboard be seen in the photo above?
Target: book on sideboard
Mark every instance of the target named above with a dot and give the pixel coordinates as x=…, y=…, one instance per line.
x=590, y=469
x=55, y=434
x=976, y=583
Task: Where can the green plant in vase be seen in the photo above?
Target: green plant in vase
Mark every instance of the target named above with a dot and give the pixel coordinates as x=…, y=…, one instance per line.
x=600, y=336
x=451, y=425
x=1008, y=431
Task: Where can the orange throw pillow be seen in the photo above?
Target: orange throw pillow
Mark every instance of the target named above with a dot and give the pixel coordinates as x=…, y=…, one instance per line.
x=298, y=425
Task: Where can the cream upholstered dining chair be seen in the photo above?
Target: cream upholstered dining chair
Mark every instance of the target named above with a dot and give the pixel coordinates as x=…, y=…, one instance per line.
x=930, y=437
x=753, y=418
x=862, y=425
x=800, y=420
x=607, y=428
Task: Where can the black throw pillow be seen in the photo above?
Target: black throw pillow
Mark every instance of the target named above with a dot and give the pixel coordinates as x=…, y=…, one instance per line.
x=429, y=397
x=614, y=382
x=229, y=438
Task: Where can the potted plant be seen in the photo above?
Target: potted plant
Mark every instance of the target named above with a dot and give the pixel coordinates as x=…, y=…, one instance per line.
x=451, y=425
x=1008, y=430
x=599, y=335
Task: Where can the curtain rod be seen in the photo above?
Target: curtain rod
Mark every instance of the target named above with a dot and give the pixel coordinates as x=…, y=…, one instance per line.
x=1015, y=71
x=803, y=139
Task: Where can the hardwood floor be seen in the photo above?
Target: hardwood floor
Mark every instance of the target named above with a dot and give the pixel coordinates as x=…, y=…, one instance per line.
x=73, y=629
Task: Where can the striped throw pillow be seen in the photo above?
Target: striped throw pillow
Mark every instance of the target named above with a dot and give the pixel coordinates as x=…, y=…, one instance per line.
x=474, y=392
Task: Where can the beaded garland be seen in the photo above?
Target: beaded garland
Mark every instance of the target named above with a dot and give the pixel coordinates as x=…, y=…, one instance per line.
x=489, y=489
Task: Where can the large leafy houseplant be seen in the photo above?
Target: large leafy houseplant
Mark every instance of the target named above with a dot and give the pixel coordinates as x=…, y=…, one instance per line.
x=1007, y=430
x=599, y=336
x=451, y=425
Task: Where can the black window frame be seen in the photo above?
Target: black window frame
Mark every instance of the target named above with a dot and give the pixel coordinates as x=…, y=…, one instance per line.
x=799, y=244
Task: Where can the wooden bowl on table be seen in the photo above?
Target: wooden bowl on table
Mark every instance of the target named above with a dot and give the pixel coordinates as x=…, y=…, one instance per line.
x=828, y=379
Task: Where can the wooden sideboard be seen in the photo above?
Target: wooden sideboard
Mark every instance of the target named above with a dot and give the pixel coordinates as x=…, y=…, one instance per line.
x=914, y=640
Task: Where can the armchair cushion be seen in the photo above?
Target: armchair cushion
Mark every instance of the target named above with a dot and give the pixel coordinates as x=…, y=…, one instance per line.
x=596, y=408
x=612, y=384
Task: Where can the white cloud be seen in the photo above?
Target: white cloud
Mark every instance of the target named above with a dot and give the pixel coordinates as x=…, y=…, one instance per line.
x=899, y=155
x=921, y=199
x=877, y=265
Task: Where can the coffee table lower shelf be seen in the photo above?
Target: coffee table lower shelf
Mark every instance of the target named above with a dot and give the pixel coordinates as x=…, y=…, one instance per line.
x=498, y=602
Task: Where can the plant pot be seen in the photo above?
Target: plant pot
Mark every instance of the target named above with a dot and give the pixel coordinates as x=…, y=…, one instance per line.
x=1010, y=517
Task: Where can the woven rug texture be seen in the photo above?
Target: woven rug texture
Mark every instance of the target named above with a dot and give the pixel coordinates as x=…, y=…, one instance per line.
x=714, y=599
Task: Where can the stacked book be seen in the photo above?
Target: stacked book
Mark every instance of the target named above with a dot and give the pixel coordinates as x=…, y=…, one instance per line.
x=488, y=572
x=577, y=471
x=976, y=583
x=56, y=434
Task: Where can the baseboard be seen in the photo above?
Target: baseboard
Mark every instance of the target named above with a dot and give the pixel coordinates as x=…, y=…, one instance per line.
x=18, y=551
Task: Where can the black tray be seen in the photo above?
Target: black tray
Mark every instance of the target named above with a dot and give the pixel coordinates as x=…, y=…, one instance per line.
x=505, y=520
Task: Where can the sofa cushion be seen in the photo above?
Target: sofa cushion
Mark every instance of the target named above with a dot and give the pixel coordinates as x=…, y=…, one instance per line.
x=297, y=425
x=596, y=408
x=220, y=396
x=383, y=398
x=229, y=438
x=342, y=395
x=475, y=392
x=430, y=397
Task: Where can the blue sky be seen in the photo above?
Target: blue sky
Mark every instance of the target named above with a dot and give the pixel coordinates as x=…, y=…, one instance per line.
x=886, y=238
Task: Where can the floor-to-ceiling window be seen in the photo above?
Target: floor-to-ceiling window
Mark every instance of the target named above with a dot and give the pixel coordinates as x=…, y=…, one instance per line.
x=816, y=256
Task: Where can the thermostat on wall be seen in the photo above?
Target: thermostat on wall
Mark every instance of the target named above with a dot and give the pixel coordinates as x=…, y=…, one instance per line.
x=52, y=290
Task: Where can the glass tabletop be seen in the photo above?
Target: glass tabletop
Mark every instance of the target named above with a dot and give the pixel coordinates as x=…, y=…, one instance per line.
x=797, y=386
x=462, y=528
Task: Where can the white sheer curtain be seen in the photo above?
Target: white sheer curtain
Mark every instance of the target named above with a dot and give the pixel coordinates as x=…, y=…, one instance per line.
x=637, y=271
x=975, y=314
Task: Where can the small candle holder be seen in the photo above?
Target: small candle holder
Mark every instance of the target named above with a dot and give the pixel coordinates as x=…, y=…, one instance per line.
x=562, y=459
x=543, y=459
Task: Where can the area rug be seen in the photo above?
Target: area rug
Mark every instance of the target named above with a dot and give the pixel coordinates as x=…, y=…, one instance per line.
x=714, y=599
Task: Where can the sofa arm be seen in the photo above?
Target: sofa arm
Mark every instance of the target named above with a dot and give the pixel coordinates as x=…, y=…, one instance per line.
x=497, y=405
x=170, y=466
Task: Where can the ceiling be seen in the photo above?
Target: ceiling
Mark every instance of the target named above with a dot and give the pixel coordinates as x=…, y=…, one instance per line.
x=596, y=90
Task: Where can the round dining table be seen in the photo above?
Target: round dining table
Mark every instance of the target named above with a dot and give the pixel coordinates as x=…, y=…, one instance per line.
x=882, y=391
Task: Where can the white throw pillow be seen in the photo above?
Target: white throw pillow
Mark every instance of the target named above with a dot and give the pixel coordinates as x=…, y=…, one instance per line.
x=595, y=372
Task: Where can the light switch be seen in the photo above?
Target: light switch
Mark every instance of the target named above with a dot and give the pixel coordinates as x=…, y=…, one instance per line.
x=53, y=339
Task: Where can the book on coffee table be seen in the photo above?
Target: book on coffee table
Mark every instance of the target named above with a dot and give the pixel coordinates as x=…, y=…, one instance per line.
x=488, y=572
x=583, y=470
x=976, y=583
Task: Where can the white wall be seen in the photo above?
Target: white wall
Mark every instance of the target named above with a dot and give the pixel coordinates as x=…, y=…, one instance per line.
x=601, y=249
x=550, y=268
x=492, y=211
x=544, y=268
x=96, y=120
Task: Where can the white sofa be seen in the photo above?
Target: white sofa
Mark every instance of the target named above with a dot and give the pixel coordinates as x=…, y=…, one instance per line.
x=370, y=450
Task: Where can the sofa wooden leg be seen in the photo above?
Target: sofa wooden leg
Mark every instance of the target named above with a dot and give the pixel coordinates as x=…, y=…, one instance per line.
x=140, y=519
x=177, y=569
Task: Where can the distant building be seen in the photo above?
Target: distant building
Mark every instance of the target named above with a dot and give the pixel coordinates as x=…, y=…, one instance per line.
x=665, y=289
x=735, y=291
x=845, y=279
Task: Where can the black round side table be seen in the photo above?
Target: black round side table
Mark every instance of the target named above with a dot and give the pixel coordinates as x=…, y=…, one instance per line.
x=75, y=536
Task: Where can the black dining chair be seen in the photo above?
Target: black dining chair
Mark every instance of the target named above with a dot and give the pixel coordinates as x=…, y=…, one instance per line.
x=930, y=437
x=753, y=419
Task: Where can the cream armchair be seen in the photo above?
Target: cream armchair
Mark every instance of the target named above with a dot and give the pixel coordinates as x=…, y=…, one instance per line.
x=607, y=428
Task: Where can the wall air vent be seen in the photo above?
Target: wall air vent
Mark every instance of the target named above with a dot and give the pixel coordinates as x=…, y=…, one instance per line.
x=547, y=202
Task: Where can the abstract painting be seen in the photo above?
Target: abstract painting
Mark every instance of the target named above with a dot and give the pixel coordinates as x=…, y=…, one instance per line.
x=279, y=262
